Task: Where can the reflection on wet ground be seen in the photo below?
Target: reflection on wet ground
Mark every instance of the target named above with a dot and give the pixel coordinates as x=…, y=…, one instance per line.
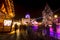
x=55, y=34
x=30, y=34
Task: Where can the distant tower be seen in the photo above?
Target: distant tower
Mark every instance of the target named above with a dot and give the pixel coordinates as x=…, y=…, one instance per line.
x=47, y=14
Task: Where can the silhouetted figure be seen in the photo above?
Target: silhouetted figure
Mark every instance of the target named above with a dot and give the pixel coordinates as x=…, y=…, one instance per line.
x=16, y=27
x=30, y=34
x=20, y=27
x=47, y=29
x=40, y=29
x=24, y=27
x=54, y=27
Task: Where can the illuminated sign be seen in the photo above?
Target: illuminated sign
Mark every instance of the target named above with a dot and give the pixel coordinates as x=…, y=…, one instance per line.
x=7, y=22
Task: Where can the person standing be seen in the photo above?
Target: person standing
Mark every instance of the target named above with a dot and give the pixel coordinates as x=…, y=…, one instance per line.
x=16, y=27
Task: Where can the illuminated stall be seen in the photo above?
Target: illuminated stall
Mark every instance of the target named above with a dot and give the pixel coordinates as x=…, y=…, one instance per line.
x=6, y=15
x=7, y=25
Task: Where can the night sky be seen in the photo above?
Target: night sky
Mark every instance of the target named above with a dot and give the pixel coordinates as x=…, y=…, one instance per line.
x=33, y=7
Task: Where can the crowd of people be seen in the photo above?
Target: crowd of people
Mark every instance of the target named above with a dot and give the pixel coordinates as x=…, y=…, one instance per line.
x=40, y=30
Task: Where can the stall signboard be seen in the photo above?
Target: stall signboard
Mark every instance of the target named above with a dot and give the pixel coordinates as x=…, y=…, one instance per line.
x=7, y=22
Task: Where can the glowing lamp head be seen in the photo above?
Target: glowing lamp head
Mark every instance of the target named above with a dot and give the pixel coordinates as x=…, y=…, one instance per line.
x=27, y=16
x=55, y=16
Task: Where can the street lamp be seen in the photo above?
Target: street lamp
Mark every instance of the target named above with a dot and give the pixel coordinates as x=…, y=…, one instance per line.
x=55, y=16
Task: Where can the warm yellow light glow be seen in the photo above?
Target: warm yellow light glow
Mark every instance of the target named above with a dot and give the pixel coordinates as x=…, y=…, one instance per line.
x=55, y=16
x=18, y=32
x=40, y=23
x=12, y=14
x=12, y=32
x=18, y=23
x=7, y=9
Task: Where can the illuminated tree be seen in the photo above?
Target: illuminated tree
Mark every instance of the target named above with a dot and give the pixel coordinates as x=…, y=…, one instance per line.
x=47, y=14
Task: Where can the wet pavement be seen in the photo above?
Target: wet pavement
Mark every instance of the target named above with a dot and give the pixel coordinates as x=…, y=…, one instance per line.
x=32, y=35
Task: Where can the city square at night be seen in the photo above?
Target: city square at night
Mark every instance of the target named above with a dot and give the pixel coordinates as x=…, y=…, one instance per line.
x=29, y=20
